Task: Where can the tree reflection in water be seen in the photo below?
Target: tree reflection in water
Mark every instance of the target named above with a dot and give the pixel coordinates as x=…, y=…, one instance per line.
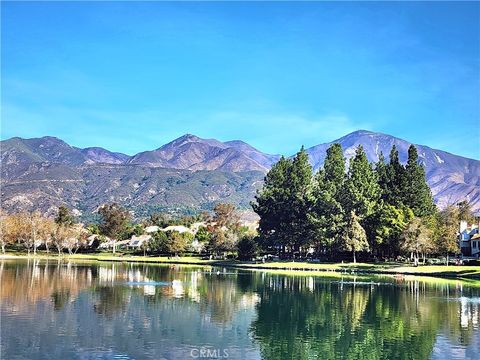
x=153, y=311
x=358, y=321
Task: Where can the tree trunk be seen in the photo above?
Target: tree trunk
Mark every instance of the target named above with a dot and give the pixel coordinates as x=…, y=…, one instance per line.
x=354, y=258
x=46, y=247
x=3, y=247
x=114, y=246
x=447, y=259
x=59, y=254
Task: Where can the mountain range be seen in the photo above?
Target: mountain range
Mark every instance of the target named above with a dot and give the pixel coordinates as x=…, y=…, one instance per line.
x=189, y=173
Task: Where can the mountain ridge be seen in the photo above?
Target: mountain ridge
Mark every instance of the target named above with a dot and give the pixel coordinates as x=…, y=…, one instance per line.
x=26, y=162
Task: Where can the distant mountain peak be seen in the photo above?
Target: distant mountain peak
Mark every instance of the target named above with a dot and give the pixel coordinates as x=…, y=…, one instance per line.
x=452, y=178
x=362, y=132
x=188, y=137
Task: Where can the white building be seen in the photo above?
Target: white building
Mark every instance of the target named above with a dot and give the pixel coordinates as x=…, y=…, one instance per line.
x=151, y=229
x=469, y=239
x=137, y=242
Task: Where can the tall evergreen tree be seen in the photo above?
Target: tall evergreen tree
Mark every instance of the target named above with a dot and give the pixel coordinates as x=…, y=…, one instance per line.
x=299, y=182
x=334, y=167
x=361, y=188
x=361, y=192
x=416, y=193
x=271, y=204
x=382, y=176
x=283, y=203
x=327, y=215
x=395, y=180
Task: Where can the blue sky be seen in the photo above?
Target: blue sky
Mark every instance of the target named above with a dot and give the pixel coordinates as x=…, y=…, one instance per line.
x=132, y=76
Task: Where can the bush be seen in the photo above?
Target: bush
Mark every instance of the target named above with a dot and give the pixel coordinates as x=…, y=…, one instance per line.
x=247, y=248
x=171, y=242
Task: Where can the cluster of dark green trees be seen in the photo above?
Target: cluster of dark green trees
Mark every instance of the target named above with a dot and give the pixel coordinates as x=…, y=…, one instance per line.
x=365, y=208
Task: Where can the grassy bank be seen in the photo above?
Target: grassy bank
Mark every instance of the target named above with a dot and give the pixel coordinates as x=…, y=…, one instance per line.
x=468, y=272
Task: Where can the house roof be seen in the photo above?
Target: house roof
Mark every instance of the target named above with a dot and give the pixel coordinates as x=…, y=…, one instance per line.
x=179, y=228
x=151, y=229
x=123, y=242
x=138, y=240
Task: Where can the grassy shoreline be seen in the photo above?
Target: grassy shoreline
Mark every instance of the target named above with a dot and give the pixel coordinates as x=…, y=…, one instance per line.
x=440, y=271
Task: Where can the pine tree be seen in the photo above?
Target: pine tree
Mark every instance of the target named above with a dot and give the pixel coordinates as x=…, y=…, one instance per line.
x=299, y=182
x=271, y=204
x=395, y=180
x=327, y=215
x=354, y=238
x=283, y=203
x=361, y=189
x=334, y=167
x=416, y=193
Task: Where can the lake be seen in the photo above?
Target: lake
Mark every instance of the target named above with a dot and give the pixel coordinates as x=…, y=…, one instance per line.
x=84, y=310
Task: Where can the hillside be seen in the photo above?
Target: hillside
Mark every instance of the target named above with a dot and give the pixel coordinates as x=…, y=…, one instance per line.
x=143, y=189
x=193, y=153
x=188, y=173
x=451, y=178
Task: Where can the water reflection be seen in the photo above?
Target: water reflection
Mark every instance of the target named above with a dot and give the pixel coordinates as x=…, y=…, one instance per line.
x=89, y=311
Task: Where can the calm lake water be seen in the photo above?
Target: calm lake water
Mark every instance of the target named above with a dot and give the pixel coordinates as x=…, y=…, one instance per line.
x=74, y=310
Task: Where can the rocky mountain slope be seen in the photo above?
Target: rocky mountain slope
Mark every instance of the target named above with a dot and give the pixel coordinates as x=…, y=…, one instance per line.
x=193, y=153
x=188, y=173
x=452, y=178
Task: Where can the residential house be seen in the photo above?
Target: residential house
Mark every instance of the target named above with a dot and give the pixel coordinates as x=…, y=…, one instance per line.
x=180, y=228
x=137, y=242
x=469, y=239
x=95, y=240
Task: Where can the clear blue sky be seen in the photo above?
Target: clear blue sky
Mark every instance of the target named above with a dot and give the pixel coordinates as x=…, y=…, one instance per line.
x=132, y=76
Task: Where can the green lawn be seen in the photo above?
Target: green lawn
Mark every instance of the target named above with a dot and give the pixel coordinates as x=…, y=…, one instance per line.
x=452, y=271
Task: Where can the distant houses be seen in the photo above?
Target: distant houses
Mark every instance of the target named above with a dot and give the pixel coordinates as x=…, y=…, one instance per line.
x=469, y=238
x=140, y=241
x=135, y=242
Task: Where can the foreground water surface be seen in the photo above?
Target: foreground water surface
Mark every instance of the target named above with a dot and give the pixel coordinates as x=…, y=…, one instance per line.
x=74, y=310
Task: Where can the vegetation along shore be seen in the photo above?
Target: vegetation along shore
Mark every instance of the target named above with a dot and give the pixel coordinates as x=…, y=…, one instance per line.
x=383, y=214
x=400, y=269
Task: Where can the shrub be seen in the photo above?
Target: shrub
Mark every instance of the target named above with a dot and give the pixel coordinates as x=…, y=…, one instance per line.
x=247, y=248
